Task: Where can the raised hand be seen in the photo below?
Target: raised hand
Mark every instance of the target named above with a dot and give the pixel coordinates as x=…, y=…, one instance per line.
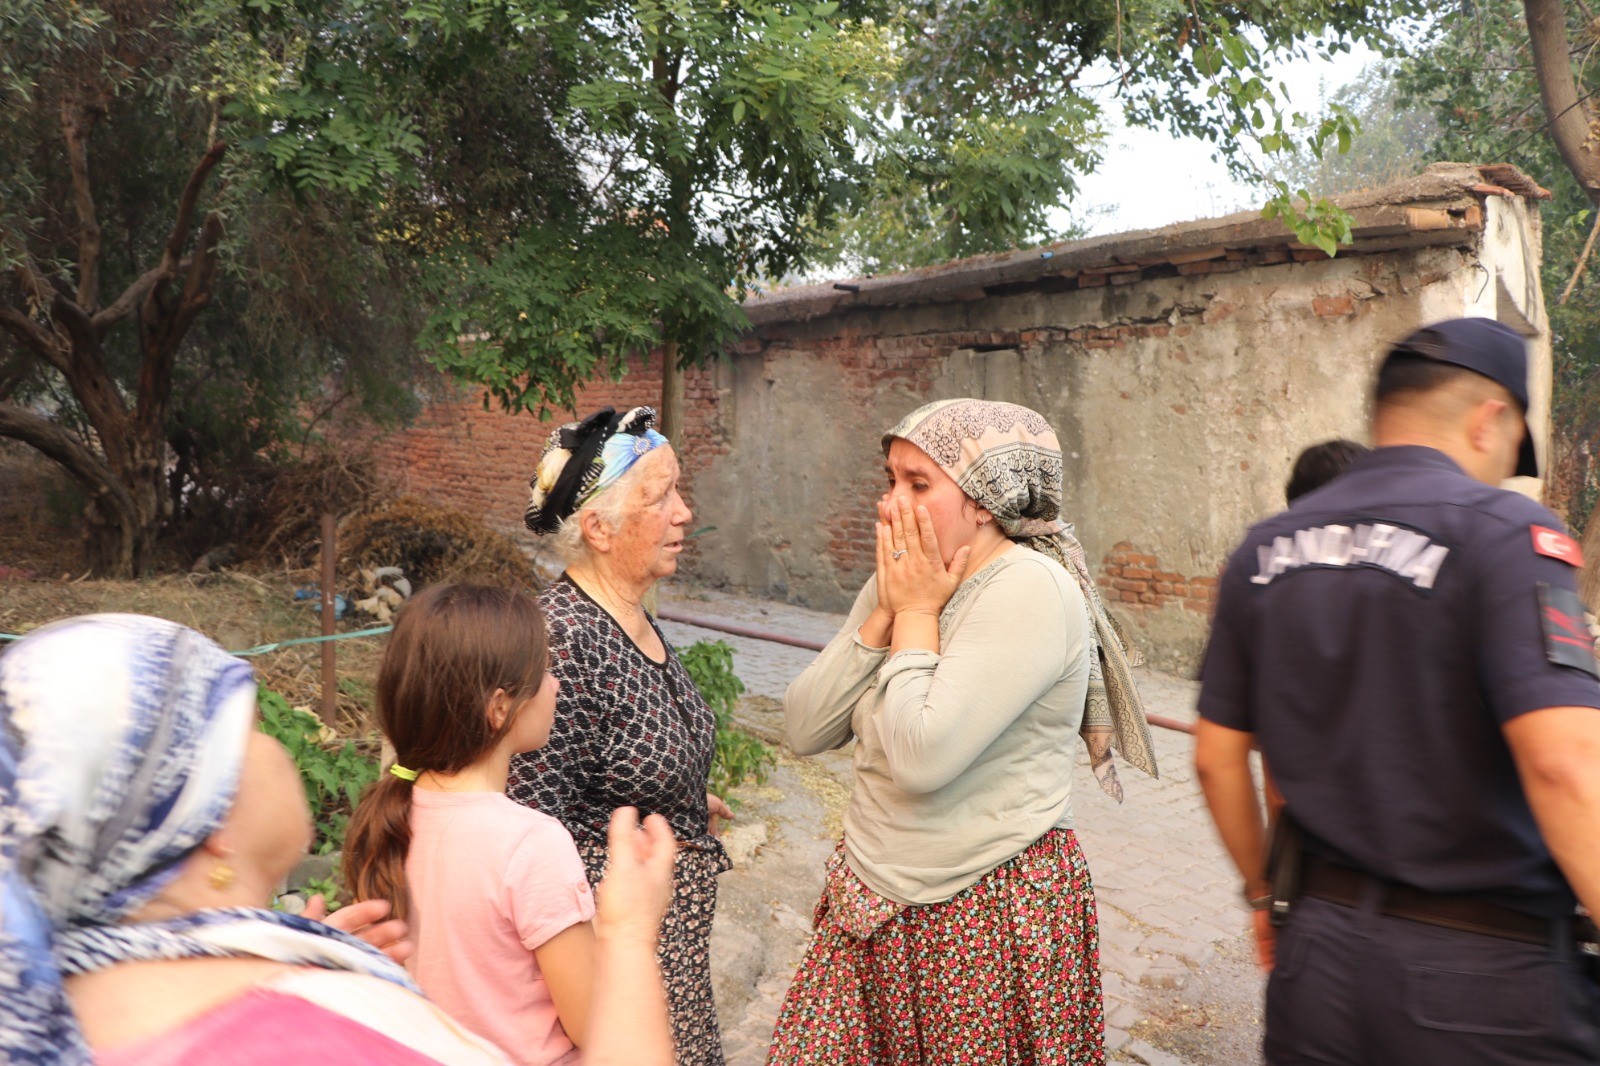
x=365, y=921
x=912, y=576
x=638, y=884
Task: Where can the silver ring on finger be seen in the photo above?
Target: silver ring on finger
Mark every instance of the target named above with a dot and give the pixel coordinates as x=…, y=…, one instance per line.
x=897, y=554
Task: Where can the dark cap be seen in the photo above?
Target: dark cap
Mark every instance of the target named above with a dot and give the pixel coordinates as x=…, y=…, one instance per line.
x=1486, y=347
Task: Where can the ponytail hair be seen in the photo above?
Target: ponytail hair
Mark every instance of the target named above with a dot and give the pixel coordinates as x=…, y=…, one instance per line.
x=452, y=647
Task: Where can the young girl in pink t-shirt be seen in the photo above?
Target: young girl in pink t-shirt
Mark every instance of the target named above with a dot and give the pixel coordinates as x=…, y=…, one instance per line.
x=495, y=892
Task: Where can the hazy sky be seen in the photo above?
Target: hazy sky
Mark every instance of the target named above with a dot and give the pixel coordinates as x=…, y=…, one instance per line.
x=1149, y=178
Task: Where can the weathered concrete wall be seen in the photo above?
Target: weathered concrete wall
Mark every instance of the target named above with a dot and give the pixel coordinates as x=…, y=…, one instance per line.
x=1181, y=404
x=1508, y=289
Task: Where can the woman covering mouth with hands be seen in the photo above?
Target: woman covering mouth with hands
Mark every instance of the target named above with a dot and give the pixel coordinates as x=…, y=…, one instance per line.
x=957, y=920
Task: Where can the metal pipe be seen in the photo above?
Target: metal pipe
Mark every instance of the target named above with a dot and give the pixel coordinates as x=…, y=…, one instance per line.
x=720, y=626
x=1176, y=724
x=717, y=625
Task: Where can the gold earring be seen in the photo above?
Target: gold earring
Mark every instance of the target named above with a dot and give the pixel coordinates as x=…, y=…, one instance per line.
x=222, y=875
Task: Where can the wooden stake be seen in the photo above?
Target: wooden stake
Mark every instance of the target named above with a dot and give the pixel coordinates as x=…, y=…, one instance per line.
x=330, y=673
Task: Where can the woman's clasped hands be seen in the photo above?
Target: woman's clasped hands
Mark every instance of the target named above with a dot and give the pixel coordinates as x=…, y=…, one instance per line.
x=913, y=580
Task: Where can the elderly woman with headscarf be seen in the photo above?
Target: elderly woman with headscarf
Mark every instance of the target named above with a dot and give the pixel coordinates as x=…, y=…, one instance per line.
x=957, y=920
x=144, y=827
x=630, y=726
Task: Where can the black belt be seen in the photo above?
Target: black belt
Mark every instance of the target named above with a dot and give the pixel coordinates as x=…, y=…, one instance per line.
x=1346, y=887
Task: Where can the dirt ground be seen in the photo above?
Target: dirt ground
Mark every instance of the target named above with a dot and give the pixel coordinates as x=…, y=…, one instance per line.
x=1215, y=1020
x=236, y=609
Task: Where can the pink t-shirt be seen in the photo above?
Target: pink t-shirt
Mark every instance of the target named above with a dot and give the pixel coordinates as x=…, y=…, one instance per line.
x=491, y=880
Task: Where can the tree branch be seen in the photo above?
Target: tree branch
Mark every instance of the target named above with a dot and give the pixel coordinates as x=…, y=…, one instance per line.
x=1583, y=260
x=197, y=284
x=1569, y=118
x=77, y=121
x=185, y=219
x=164, y=334
x=56, y=444
x=72, y=347
x=132, y=296
x=33, y=336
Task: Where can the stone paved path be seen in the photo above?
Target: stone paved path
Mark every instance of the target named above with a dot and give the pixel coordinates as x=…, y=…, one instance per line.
x=1166, y=892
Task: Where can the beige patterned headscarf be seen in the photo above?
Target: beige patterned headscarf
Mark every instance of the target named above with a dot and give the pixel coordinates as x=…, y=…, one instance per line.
x=1008, y=460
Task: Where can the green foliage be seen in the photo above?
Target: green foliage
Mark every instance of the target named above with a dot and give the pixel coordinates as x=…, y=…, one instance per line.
x=1473, y=73
x=309, y=304
x=998, y=105
x=326, y=887
x=333, y=773
x=532, y=191
x=1393, y=141
x=1319, y=223
x=1215, y=85
x=739, y=756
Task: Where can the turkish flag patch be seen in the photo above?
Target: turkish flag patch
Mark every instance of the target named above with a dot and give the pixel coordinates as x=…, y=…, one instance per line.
x=1557, y=545
x=1567, y=640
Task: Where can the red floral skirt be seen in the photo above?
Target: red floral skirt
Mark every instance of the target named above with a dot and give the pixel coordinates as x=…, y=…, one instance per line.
x=1005, y=973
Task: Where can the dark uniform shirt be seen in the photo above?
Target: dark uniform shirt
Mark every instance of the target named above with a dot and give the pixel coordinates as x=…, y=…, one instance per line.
x=1376, y=637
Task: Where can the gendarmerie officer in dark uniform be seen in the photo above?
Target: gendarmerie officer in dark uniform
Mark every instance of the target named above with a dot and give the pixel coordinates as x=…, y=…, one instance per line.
x=1407, y=648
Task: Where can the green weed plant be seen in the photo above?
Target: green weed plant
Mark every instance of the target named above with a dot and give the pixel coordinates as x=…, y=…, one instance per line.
x=334, y=774
x=739, y=756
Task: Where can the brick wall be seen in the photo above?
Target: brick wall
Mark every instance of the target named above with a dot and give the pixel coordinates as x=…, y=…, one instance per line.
x=1136, y=582
x=1180, y=403
x=870, y=369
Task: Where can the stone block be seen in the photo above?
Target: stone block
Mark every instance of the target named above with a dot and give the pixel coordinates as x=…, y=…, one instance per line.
x=1191, y=951
x=1150, y=1055
x=1122, y=1015
x=1165, y=972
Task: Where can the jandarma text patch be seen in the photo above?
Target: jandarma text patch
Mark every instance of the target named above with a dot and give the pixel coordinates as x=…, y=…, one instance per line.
x=1403, y=552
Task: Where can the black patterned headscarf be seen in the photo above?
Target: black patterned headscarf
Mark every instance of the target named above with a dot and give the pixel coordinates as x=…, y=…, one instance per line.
x=1007, y=459
x=582, y=458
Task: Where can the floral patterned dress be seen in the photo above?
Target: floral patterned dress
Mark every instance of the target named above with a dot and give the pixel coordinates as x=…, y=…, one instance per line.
x=630, y=731
x=1005, y=973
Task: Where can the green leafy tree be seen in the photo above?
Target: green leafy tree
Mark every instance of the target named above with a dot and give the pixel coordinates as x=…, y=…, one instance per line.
x=1395, y=139
x=712, y=146
x=998, y=107
x=167, y=306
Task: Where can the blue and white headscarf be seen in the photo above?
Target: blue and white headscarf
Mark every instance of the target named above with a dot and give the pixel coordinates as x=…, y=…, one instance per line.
x=121, y=742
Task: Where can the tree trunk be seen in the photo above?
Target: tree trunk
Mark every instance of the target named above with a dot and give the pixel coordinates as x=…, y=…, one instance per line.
x=671, y=395
x=126, y=482
x=1569, y=116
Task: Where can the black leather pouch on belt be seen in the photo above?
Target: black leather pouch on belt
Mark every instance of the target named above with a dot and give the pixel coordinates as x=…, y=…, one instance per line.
x=1285, y=866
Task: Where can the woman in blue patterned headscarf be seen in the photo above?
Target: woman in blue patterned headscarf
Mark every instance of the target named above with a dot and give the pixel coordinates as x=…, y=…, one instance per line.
x=144, y=825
